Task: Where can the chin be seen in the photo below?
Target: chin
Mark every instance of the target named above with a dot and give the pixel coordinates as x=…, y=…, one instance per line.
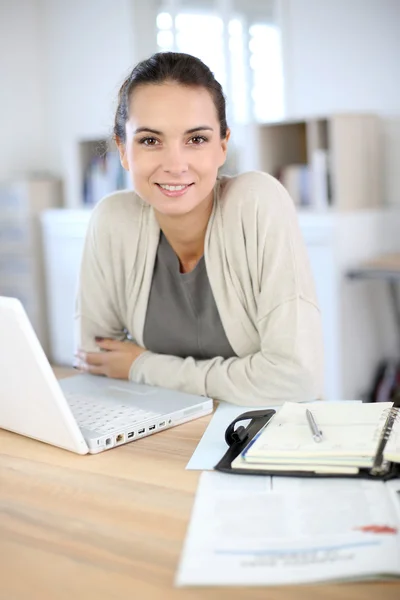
x=174, y=211
x=175, y=207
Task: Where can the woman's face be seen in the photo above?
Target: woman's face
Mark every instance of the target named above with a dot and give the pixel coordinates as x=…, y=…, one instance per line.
x=173, y=147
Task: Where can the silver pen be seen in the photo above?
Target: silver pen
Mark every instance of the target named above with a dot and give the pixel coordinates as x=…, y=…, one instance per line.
x=315, y=430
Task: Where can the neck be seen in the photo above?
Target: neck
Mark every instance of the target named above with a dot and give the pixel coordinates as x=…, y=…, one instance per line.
x=186, y=233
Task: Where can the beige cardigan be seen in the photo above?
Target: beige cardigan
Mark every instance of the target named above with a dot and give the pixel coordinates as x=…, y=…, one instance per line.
x=260, y=277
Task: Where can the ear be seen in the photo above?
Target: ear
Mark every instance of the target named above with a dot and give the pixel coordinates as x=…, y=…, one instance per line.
x=224, y=145
x=122, y=153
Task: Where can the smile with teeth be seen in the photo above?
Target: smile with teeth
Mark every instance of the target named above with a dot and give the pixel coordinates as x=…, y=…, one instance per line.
x=173, y=188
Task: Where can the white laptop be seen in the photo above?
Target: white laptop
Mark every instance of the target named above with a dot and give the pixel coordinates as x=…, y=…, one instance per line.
x=83, y=413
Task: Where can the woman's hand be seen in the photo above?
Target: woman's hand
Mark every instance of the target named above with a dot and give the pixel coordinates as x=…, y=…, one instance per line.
x=115, y=362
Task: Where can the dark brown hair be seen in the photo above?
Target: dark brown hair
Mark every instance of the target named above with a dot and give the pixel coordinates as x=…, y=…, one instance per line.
x=164, y=67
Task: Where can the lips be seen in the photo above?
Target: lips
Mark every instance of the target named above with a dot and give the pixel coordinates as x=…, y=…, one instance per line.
x=173, y=190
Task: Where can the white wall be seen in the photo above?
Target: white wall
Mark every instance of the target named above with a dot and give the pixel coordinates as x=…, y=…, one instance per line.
x=89, y=51
x=23, y=104
x=343, y=55
x=61, y=64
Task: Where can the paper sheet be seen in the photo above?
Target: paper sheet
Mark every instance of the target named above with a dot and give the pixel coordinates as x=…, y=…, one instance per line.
x=249, y=530
x=348, y=430
x=212, y=445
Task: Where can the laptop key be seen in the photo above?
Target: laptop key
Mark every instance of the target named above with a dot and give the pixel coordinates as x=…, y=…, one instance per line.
x=91, y=415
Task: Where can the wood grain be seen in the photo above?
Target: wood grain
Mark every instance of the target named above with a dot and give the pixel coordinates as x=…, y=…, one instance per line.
x=112, y=525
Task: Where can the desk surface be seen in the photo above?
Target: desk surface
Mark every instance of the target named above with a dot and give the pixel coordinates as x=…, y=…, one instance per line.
x=111, y=526
x=385, y=262
x=386, y=266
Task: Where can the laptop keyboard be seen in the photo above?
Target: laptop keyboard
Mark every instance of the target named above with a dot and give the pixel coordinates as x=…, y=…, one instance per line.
x=93, y=414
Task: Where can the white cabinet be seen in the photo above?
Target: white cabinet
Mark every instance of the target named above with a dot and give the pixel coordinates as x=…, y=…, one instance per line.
x=21, y=260
x=63, y=238
x=356, y=316
x=319, y=236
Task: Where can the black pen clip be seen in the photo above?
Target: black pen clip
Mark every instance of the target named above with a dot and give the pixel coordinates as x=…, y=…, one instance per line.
x=241, y=434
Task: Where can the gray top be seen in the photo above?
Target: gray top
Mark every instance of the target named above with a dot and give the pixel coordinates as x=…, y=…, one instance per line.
x=182, y=318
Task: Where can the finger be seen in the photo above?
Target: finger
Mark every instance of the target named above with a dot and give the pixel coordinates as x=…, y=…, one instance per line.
x=93, y=369
x=76, y=363
x=107, y=344
x=92, y=358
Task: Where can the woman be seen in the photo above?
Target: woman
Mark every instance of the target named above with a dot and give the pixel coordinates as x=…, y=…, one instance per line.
x=193, y=281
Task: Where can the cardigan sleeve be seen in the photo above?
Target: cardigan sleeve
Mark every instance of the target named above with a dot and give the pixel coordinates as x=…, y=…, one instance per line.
x=288, y=366
x=96, y=312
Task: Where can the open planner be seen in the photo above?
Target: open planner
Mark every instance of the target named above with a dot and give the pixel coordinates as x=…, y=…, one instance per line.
x=317, y=439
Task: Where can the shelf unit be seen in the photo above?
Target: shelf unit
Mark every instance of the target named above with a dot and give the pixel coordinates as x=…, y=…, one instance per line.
x=99, y=170
x=342, y=152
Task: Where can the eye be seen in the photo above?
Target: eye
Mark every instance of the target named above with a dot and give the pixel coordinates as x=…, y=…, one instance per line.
x=148, y=141
x=197, y=140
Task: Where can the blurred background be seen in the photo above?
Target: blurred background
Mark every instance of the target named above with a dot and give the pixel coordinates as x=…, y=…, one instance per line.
x=313, y=97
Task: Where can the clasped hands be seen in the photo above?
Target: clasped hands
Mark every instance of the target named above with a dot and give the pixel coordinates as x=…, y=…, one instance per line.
x=115, y=361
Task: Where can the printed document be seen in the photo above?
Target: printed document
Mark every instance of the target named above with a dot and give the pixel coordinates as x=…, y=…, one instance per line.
x=255, y=530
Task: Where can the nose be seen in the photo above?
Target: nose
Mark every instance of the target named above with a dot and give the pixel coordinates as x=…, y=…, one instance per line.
x=174, y=160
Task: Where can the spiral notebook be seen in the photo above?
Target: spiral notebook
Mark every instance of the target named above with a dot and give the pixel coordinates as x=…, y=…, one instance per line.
x=358, y=440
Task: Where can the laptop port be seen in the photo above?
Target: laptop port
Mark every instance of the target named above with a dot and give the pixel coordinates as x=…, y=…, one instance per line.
x=119, y=438
x=131, y=434
x=141, y=431
x=162, y=424
x=152, y=427
x=108, y=441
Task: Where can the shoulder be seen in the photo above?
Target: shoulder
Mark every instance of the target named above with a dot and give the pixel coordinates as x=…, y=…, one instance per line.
x=113, y=219
x=116, y=208
x=254, y=192
x=115, y=224
x=250, y=180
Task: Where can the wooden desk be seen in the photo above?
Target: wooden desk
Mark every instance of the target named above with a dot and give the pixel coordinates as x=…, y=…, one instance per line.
x=388, y=263
x=112, y=526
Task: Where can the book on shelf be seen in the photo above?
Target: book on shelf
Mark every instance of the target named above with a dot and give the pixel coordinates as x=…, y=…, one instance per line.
x=320, y=176
x=103, y=176
x=296, y=179
x=308, y=184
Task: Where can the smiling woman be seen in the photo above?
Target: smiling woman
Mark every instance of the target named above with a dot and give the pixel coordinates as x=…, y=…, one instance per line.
x=193, y=281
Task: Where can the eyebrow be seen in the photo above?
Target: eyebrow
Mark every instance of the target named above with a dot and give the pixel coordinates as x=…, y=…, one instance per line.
x=193, y=130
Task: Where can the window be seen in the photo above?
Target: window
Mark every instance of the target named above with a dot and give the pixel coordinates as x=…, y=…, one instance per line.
x=245, y=57
x=266, y=66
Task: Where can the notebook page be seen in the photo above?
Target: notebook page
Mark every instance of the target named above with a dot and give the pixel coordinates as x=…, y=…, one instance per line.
x=349, y=432
x=239, y=463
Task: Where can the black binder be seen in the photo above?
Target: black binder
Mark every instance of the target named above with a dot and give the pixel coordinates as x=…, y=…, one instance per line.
x=239, y=437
